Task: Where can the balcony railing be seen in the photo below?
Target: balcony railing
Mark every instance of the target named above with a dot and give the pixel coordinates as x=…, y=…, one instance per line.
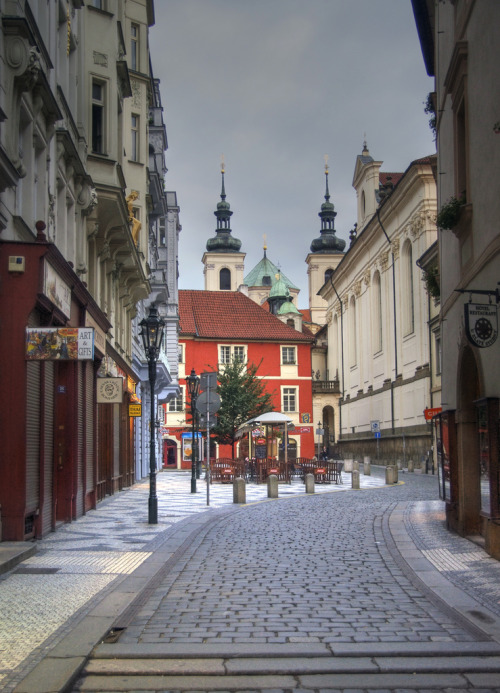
x=331, y=387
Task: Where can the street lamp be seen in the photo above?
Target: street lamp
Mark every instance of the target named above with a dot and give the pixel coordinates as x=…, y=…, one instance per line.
x=193, y=386
x=152, y=334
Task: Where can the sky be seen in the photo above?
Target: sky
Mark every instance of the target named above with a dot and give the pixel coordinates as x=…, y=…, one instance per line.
x=274, y=86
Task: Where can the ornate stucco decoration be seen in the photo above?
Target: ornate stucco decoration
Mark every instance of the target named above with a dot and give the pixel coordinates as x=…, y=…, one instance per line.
x=395, y=246
x=136, y=93
x=100, y=59
x=367, y=277
x=384, y=261
x=357, y=288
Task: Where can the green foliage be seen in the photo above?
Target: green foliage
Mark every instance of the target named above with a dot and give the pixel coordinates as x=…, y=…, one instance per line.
x=431, y=279
x=243, y=396
x=431, y=111
x=449, y=214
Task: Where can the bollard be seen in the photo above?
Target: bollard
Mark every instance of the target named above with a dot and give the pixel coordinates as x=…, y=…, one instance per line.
x=309, y=483
x=272, y=486
x=355, y=466
x=367, y=466
x=395, y=474
x=348, y=465
x=239, y=490
x=411, y=466
x=399, y=464
x=390, y=473
x=355, y=479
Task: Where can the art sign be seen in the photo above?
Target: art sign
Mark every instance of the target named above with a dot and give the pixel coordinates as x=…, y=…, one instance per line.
x=59, y=343
x=481, y=324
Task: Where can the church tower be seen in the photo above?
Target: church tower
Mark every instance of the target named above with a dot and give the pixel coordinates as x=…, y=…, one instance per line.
x=326, y=253
x=223, y=263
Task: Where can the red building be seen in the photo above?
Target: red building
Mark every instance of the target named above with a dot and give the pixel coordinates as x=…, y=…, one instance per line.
x=217, y=326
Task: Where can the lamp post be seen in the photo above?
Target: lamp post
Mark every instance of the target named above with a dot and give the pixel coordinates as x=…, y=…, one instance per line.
x=193, y=386
x=152, y=335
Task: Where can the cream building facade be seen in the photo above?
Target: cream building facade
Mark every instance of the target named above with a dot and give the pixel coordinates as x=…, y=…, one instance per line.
x=378, y=312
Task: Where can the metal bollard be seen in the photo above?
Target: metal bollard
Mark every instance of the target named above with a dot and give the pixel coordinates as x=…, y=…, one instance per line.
x=272, y=486
x=355, y=479
x=309, y=483
x=239, y=490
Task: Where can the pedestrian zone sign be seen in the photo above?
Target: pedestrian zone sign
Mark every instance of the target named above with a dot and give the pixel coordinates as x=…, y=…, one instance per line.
x=375, y=426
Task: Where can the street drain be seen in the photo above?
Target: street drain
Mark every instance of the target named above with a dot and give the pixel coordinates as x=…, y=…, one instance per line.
x=113, y=635
x=36, y=571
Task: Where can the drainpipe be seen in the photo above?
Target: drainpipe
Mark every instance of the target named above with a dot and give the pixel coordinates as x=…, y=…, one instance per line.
x=395, y=326
x=342, y=344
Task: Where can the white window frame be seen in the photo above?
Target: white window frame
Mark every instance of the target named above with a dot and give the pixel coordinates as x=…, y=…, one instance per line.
x=135, y=33
x=176, y=405
x=180, y=353
x=101, y=104
x=288, y=350
x=288, y=393
x=135, y=137
x=230, y=352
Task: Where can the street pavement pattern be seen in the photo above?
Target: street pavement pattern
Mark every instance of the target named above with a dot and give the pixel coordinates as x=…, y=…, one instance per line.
x=306, y=593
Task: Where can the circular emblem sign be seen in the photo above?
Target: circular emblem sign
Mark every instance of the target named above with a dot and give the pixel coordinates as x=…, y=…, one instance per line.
x=481, y=324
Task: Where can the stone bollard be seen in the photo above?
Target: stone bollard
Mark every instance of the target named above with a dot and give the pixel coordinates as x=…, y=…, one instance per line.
x=309, y=483
x=355, y=479
x=239, y=490
x=411, y=466
x=272, y=486
x=390, y=474
x=355, y=466
x=367, y=465
x=399, y=464
x=348, y=465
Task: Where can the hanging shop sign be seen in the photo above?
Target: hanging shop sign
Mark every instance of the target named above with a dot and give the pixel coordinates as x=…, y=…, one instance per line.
x=134, y=409
x=56, y=289
x=481, y=324
x=431, y=412
x=109, y=390
x=59, y=343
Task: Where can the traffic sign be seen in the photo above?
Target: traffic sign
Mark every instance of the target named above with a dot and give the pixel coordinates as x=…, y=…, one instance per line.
x=375, y=426
x=210, y=400
x=378, y=434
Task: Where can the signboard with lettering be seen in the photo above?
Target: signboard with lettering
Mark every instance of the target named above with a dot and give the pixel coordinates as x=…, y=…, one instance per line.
x=109, y=390
x=430, y=413
x=59, y=343
x=481, y=324
x=134, y=409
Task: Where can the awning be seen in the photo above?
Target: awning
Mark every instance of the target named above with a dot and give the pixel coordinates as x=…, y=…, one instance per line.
x=270, y=418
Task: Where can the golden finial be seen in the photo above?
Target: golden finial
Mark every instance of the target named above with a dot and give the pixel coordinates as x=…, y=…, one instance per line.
x=222, y=165
x=326, y=163
x=265, y=241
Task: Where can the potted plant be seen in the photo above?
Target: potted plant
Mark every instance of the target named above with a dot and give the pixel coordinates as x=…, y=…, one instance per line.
x=431, y=280
x=449, y=214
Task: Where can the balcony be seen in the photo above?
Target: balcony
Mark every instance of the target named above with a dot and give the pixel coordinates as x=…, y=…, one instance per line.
x=327, y=387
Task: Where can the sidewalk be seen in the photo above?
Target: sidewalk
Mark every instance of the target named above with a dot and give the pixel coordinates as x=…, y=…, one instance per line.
x=56, y=605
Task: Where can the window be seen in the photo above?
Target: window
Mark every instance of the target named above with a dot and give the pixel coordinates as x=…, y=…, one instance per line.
x=229, y=353
x=181, y=353
x=407, y=295
x=160, y=415
x=437, y=352
x=225, y=279
x=98, y=3
x=289, y=399
x=134, y=46
x=134, y=154
x=98, y=117
x=288, y=355
x=353, y=339
x=377, y=313
x=225, y=354
x=177, y=404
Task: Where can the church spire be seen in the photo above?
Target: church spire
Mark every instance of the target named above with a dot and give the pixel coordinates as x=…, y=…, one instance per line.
x=328, y=241
x=223, y=242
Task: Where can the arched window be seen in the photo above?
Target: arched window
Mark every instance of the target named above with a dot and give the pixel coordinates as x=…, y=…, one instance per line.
x=328, y=274
x=377, y=313
x=407, y=286
x=225, y=279
x=353, y=338
x=363, y=204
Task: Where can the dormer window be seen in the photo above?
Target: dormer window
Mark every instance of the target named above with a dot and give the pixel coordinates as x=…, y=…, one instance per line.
x=266, y=280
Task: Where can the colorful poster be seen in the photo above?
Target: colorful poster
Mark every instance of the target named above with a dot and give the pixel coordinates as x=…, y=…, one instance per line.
x=59, y=343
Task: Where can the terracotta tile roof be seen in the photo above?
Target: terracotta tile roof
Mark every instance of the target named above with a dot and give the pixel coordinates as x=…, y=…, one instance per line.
x=231, y=315
x=395, y=177
x=306, y=314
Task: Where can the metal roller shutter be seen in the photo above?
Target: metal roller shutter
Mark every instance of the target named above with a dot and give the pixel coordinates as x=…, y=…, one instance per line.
x=89, y=425
x=48, y=445
x=79, y=439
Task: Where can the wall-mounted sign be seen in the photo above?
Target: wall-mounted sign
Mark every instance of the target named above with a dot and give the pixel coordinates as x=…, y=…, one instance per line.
x=430, y=413
x=135, y=409
x=59, y=343
x=481, y=324
x=57, y=290
x=109, y=390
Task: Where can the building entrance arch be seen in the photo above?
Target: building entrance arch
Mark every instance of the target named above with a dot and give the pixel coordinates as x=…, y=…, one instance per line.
x=169, y=453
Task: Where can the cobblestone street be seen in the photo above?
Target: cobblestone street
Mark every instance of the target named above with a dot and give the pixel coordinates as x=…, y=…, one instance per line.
x=284, y=587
